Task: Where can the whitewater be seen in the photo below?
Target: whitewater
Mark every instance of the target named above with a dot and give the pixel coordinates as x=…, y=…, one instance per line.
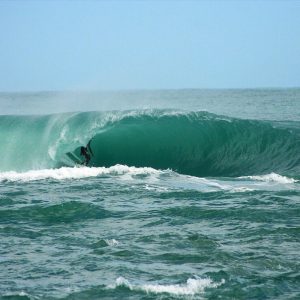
x=189, y=194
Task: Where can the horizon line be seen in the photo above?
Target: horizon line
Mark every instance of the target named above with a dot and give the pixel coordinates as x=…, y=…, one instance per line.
x=145, y=89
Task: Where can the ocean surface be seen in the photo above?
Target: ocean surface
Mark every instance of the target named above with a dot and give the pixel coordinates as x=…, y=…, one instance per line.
x=189, y=194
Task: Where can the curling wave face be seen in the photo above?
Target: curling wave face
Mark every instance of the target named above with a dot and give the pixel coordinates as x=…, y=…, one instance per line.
x=193, y=143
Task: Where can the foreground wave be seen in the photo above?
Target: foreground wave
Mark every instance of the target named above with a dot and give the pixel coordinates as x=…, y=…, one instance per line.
x=152, y=180
x=193, y=143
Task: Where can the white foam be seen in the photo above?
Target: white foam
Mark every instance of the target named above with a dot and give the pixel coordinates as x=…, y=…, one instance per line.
x=160, y=189
x=193, y=286
x=13, y=295
x=75, y=173
x=272, y=177
x=241, y=189
x=205, y=184
x=111, y=242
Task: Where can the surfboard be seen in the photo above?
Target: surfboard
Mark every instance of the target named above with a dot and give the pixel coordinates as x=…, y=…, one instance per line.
x=75, y=158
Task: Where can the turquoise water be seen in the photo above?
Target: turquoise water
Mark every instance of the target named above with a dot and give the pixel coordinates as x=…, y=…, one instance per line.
x=190, y=194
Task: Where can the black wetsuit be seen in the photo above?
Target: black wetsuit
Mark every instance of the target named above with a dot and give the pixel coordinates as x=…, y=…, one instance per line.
x=84, y=152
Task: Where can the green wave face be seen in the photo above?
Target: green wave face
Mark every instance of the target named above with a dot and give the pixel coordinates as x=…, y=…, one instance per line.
x=200, y=144
x=38, y=142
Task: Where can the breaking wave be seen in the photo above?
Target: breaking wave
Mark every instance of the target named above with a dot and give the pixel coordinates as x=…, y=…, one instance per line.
x=192, y=143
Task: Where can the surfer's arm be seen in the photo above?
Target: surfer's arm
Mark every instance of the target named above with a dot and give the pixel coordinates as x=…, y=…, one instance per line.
x=88, y=146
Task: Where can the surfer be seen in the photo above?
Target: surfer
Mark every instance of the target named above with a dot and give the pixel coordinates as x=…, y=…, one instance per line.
x=84, y=152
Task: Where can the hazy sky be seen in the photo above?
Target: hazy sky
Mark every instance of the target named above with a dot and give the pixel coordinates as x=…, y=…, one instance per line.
x=67, y=45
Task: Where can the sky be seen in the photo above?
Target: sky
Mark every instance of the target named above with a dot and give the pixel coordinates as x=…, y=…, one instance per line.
x=113, y=45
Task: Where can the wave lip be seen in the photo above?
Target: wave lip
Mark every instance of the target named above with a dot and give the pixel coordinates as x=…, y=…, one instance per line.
x=193, y=286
